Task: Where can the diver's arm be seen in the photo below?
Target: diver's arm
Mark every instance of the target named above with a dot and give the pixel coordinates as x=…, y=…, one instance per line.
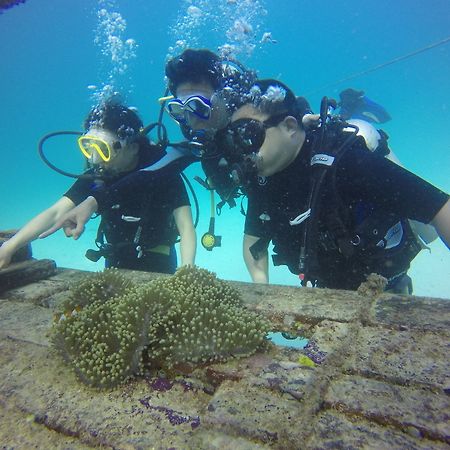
x=102, y=198
x=33, y=228
x=258, y=269
x=73, y=221
x=186, y=230
x=441, y=222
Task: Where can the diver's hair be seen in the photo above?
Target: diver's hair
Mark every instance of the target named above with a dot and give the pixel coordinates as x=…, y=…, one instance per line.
x=228, y=78
x=273, y=97
x=194, y=66
x=114, y=117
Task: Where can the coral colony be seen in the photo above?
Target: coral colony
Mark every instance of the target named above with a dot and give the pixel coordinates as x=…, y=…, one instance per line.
x=109, y=326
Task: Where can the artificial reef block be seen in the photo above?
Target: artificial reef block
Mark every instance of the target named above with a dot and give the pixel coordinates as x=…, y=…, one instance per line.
x=25, y=272
x=382, y=384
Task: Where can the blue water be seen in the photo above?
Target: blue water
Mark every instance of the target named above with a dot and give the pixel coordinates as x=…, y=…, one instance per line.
x=49, y=58
x=278, y=339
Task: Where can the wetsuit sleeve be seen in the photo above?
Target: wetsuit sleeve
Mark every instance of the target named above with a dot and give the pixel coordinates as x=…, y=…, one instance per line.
x=79, y=191
x=178, y=194
x=367, y=177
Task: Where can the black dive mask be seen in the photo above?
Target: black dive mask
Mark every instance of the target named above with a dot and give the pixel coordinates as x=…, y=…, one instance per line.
x=246, y=136
x=240, y=142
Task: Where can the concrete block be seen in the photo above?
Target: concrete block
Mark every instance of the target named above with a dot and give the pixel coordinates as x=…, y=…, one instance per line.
x=388, y=404
x=260, y=414
x=415, y=313
x=405, y=357
x=307, y=304
x=25, y=272
x=337, y=431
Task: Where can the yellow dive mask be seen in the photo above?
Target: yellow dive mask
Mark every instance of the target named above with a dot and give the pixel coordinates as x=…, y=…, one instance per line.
x=91, y=144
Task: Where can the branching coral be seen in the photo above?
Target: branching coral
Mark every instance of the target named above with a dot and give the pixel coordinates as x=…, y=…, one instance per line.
x=191, y=317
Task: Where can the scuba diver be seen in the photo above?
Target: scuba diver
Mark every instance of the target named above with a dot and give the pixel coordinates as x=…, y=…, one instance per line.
x=335, y=211
x=356, y=105
x=138, y=233
x=206, y=90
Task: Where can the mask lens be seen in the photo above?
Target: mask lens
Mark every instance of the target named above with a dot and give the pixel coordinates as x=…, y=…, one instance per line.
x=248, y=135
x=90, y=145
x=175, y=108
x=199, y=106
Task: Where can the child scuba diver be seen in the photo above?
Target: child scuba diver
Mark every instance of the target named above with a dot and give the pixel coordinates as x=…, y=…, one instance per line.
x=140, y=232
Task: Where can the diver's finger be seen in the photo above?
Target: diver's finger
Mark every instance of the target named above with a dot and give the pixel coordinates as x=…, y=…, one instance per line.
x=68, y=231
x=50, y=231
x=78, y=231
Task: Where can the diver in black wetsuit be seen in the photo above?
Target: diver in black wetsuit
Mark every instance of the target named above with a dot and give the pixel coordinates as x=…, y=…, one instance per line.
x=334, y=210
x=138, y=232
x=355, y=104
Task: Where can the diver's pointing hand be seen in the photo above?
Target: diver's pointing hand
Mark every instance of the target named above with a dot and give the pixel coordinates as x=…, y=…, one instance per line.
x=70, y=225
x=73, y=222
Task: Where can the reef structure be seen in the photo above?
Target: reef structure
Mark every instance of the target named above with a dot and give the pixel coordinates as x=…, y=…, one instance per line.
x=373, y=375
x=109, y=326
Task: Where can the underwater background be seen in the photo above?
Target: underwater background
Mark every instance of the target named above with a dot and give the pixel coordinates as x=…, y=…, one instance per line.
x=57, y=58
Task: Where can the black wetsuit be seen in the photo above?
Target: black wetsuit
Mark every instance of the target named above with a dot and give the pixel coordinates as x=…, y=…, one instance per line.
x=143, y=218
x=169, y=165
x=367, y=186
